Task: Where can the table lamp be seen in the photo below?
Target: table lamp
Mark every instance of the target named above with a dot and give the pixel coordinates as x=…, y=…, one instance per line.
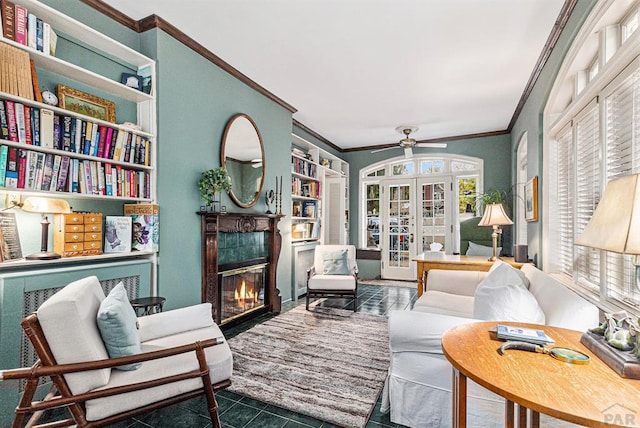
x=45, y=206
x=615, y=223
x=495, y=216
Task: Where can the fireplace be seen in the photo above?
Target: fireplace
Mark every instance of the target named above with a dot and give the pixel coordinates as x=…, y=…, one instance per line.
x=241, y=291
x=239, y=261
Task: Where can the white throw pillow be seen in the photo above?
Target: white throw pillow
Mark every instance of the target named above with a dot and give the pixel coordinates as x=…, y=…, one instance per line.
x=503, y=296
x=480, y=250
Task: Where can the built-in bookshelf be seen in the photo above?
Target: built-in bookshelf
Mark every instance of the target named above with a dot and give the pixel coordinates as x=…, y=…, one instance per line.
x=71, y=150
x=319, y=195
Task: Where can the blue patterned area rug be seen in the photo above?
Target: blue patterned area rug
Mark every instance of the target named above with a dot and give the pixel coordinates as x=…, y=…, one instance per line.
x=326, y=363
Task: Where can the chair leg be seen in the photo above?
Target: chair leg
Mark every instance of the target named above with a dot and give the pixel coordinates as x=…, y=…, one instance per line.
x=355, y=302
x=307, y=299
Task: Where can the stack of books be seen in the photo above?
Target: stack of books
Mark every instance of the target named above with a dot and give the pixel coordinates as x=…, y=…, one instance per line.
x=521, y=334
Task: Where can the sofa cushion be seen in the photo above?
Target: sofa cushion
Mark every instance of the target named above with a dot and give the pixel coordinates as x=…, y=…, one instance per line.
x=503, y=296
x=332, y=282
x=176, y=321
x=118, y=325
x=562, y=307
x=219, y=361
x=335, y=263
x=76, y=304
x=438, y=302
x=480, y=250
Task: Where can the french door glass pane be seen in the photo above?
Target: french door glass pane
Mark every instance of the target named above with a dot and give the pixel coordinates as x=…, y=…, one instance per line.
x=433, y=215
x=399, y=216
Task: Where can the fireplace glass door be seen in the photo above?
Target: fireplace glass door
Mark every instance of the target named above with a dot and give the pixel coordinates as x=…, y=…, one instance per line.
x=242, y=291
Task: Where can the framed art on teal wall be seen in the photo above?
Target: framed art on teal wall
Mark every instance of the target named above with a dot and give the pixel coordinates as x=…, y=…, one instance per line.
x=531, y=200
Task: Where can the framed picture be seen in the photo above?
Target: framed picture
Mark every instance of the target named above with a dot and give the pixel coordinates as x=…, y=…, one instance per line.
x=132, y=80
x=87, y=104
x=531, y=200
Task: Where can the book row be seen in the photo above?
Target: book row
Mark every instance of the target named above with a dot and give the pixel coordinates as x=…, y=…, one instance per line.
x=42, y=127
x=16, y=72
x=304, y=209
x=31, y=170
x=306, y=230
x=307, y=188
x=23, y=27
x=304, y=167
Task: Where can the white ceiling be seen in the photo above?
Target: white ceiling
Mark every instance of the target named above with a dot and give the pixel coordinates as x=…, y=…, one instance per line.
x=356, y=69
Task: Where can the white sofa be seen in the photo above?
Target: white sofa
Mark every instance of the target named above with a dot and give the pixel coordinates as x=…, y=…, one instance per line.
x=418, y=387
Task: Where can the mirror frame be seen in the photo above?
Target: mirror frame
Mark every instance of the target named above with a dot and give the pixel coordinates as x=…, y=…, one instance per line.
x=223, y=158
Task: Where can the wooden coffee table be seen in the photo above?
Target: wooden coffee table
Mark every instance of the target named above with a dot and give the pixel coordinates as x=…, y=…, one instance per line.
x=590, y=394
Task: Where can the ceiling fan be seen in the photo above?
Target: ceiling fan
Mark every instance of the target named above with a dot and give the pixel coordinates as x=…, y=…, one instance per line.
x=407, y=143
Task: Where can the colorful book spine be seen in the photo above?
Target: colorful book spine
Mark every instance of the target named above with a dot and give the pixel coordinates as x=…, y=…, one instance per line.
x=32, y=162
x=28, y=127
x=46, y=128
x=39, y=171
x=79, y=124
x=107, y=143
x=8, y=20
x=11, y=175
x=57, y=132
x=88, y=135
x=20, y=123
x=102, y=137
x=11, y=120
x=22, y=168
x=47, y=172
x=74, y=171
x=31, y=30
x=64, y=174
x=4, y=152
x=4, y=128
x=108, y=179
x=55, y=172
x=66, y=133
x=35, y=126
x=39, y=35
x=21, y=24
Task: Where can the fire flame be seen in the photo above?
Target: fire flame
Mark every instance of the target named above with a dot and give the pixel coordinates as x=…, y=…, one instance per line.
x=242, y=294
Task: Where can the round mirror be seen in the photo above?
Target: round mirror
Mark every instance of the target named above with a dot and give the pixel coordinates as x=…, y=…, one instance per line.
x=242, y=155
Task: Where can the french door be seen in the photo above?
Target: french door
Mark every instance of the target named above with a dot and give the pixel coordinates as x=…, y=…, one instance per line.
x=414, y=214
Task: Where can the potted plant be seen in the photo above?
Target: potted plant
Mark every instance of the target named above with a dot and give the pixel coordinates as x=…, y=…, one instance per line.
x=212, y=182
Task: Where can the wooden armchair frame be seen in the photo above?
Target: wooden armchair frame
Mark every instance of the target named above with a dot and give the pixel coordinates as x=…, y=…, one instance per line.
x=332, y=293
x=60, y=394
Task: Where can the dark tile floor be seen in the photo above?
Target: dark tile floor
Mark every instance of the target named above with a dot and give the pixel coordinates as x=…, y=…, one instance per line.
x=237, y=411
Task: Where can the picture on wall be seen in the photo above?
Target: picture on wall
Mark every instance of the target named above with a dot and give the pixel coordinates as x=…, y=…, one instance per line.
x=531, y=200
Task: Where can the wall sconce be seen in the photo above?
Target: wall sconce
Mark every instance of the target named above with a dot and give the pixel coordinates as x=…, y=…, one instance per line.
x=45, y=206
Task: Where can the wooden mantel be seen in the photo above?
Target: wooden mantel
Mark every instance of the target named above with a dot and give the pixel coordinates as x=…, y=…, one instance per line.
x=213, y=223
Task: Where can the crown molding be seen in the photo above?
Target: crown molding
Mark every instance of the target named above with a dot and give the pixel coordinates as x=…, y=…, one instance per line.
x=154, y=21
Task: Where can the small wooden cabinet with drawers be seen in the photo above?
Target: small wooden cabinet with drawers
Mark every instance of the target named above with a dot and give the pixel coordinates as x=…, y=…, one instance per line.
x=78, y=234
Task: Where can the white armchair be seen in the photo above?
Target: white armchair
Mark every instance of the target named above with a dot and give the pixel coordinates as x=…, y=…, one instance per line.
x=183, y=354
x=334, y=273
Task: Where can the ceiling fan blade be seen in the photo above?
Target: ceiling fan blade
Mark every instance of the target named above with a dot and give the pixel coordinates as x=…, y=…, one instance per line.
x=383, y=149
x=432, y=145
x=408, y=152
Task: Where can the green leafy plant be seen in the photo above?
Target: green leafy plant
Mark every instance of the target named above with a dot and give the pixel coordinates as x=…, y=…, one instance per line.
x=212, y=182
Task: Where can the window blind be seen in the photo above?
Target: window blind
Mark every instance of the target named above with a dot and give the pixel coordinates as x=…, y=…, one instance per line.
x=587, y=191
x=563, y=207
x=622, y=151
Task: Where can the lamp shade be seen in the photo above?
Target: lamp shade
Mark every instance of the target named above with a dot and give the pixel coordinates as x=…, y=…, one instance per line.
x=494, y=215
x=46, y=205
x=615, y=224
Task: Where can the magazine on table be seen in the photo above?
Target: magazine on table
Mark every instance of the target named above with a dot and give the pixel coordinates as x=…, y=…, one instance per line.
x=508, y=332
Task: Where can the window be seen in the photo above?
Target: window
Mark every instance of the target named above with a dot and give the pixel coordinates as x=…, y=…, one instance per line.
x=593, y=138
x=466, y=172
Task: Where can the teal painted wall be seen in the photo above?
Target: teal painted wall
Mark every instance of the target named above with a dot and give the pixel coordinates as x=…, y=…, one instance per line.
x=531, y=119
x=495, y=151
x=195, y=101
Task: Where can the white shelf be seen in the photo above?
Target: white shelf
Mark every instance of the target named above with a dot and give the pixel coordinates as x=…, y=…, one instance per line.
x=22, y=263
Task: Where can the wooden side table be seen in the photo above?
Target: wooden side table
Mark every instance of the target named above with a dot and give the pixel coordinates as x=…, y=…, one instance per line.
x=449, y=262
x=148, y=305
x=590, y=394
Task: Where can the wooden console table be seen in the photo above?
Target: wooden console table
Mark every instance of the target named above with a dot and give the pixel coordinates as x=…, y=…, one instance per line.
x=591, y=394
x=449, y=262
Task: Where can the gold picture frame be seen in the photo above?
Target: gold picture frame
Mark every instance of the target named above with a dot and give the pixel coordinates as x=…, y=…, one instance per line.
x=90, y=105
x=531, y=200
